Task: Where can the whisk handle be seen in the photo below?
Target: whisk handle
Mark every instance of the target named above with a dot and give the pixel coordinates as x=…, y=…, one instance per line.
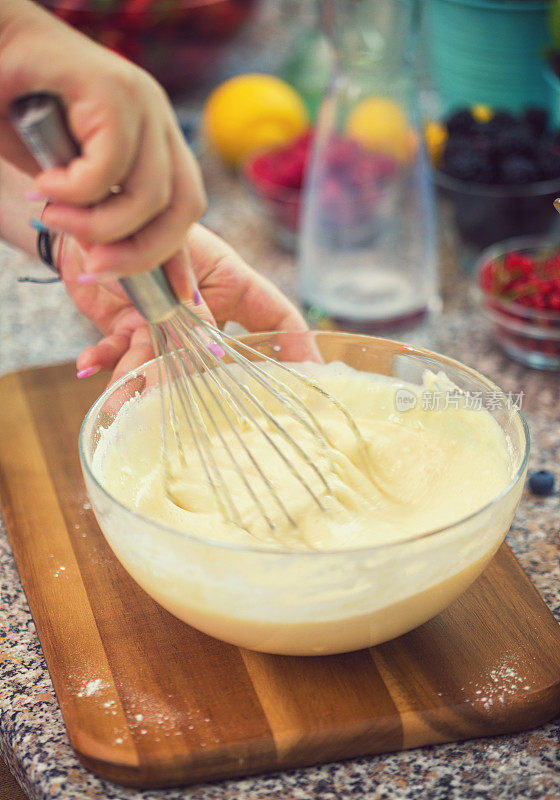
x=151, y=294
x=41, y=122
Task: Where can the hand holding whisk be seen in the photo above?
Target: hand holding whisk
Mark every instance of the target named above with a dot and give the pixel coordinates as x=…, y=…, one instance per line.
x=213, y=393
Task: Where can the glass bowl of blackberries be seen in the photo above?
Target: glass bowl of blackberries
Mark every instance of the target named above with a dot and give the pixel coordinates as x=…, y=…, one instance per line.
x=518, y=285
x=499, y=174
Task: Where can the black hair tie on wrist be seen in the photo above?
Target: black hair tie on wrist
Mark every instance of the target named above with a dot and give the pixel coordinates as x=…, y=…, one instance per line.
x=44, y=249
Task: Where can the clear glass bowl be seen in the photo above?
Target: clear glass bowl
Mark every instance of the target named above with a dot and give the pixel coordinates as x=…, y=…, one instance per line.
x=528, y=335
x=300, y=602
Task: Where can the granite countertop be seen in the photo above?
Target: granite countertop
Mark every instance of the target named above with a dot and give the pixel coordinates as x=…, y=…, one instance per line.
x=38, y=325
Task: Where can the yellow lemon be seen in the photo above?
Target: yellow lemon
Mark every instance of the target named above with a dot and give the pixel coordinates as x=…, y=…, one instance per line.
x=380, y=124
x=435, y=135
x=252, y=112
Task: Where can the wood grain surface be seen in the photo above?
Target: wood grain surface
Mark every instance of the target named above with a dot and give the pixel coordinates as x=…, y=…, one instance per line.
x=9, y=787
x=149, y=701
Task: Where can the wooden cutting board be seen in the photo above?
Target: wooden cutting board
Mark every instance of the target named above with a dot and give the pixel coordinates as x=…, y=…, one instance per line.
x=149, y=701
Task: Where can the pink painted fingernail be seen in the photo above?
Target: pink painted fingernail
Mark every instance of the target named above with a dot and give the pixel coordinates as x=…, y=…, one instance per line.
x=209, y=343
x=96, y=277
x=216, y=349
x=85, y=373
x=86, y=278
x=33, y=195
x=197, y=297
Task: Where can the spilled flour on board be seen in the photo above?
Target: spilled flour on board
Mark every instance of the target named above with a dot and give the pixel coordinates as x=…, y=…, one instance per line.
x=501, y=685
x=91, y=687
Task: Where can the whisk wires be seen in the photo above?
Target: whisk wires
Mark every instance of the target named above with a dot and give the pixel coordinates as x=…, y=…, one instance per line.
x=215, y=398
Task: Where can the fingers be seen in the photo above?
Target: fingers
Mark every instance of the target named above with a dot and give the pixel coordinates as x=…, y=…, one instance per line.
x=262, y=306
x=89, y=177
x=120, y=352
x=234, y=291
x=161, y=199
x=118, y=216
x=125, y=321
x=107, y=117
x=106, y=98
x=103, y=355
x=129, y=137
x=180, y=273
x=139, y=351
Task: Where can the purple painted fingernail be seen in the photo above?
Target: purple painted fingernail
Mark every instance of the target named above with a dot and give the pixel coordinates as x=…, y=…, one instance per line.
x=197, y=297
x=85, y=373
x=33, y=195
x=38, y=225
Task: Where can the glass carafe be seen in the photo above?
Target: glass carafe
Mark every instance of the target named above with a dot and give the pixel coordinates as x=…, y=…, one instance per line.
x=368, y=249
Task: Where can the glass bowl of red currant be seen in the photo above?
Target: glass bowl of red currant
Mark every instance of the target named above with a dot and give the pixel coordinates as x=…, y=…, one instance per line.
x=518, y=283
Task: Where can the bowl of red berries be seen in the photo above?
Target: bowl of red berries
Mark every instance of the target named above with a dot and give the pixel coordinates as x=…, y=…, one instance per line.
x=275, y=181
x=499, y=174
x=518, y=282
x=181, y=42
x=353, y=180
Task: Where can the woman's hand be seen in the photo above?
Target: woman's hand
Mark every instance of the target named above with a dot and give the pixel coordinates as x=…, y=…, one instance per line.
x=131, y=198
x=128, y=135
x=231, y=291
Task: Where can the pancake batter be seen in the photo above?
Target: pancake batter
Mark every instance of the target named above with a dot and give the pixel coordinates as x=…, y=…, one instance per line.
x=425, y=469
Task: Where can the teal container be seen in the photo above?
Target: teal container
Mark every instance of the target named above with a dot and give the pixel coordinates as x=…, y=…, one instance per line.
x=553, y=84
x=486, y=51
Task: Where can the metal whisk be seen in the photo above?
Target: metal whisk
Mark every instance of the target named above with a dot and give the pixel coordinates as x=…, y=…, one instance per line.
x=209, y=381
x=204, y=391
